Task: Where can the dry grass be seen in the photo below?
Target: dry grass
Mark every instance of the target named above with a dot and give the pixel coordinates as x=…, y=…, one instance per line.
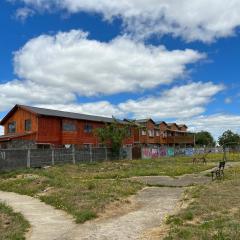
x=85, y=190
x=214, y=212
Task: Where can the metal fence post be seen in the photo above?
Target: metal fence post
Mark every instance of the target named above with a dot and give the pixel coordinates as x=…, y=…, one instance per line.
x=53, y=162
x=28, y=158
x=73, y=154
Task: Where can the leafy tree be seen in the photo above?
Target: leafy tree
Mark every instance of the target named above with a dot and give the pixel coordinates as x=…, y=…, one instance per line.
x=113, y=134
x=229, y=139
x=204, y=138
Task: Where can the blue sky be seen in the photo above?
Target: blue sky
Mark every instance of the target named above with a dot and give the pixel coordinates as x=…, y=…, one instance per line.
x=124, y=58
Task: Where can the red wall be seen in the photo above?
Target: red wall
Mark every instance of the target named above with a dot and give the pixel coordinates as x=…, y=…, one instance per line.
x=50, y=131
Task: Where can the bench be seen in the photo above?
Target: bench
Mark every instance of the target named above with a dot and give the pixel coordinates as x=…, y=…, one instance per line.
x=218, y=173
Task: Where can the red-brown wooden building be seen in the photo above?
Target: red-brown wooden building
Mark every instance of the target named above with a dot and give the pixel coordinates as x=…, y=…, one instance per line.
x=45, y=127
x=148, y=132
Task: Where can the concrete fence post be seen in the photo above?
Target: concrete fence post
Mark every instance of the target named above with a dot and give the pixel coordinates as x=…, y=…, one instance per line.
x=73, y=154
x=53, y=155
x=91, y=154
x=28, y=158
x=106, y=153
x=130, y=149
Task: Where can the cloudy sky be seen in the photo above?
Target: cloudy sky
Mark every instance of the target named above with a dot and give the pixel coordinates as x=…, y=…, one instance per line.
x=165, y=59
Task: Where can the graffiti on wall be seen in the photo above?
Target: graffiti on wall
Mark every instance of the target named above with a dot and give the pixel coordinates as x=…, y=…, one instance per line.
x=151, y=153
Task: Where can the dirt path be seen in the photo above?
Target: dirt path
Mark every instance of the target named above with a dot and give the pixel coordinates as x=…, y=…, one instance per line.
x=150, y=206
x=154, y=204
x=46, y=222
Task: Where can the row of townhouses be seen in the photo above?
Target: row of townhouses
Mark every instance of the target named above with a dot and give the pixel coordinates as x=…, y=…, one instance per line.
x=46, y=128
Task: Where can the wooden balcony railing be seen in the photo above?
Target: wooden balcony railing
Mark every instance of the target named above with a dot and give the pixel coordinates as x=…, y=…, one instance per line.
x=189, y=139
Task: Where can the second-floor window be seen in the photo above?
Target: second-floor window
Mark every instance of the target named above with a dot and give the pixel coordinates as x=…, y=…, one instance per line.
x=151, y=133
x=157, y=133
x=12, y=127
x=164, y=134
x=143, y=132
x=88, y=128
x=69, y=127
x=28, y=125
x=129, y=132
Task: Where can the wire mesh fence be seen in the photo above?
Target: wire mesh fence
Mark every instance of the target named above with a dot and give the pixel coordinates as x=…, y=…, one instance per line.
x=22, y=158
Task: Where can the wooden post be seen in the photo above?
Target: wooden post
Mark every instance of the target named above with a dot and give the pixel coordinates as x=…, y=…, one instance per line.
x=73, y=154
x=53, y=157
x=28, y=158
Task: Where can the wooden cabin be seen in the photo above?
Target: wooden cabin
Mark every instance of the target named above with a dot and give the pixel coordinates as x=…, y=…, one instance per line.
x=46, y=127
x=148, y=132
x=42, y=127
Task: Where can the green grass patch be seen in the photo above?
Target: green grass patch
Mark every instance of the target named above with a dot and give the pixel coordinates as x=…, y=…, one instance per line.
x=12, y=225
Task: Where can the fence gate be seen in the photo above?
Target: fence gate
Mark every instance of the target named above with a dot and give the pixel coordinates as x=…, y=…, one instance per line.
x=136, y=152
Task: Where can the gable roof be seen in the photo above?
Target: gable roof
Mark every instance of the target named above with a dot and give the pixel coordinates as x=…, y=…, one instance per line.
x=61, y=114
x=182, y=125
x=161, y=122
x=170, y=125
x=144, y=120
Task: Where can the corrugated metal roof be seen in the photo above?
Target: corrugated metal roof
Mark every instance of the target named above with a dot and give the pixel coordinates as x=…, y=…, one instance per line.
x=71, y=115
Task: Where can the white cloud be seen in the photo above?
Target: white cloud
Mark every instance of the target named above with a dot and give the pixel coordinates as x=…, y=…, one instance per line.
x=192, y=20
x=228, y=100
x=89, y=67
x=23, y=13
x=216, y=124
x=26, y=92
x=101, y=108
x=179, y=102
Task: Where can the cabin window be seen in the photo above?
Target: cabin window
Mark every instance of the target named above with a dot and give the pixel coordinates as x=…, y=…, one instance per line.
x=88, y=128
x=69, y=127
x=157, y=133
x=129, y=132
x=151, y=133
x=143, y=132
x=28, y=125
x=12, y=127
x=164, y=135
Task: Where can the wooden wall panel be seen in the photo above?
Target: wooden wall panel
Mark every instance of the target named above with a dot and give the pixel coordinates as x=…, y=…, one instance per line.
x=49, y=130
x=80, y=137
x=20, y=116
